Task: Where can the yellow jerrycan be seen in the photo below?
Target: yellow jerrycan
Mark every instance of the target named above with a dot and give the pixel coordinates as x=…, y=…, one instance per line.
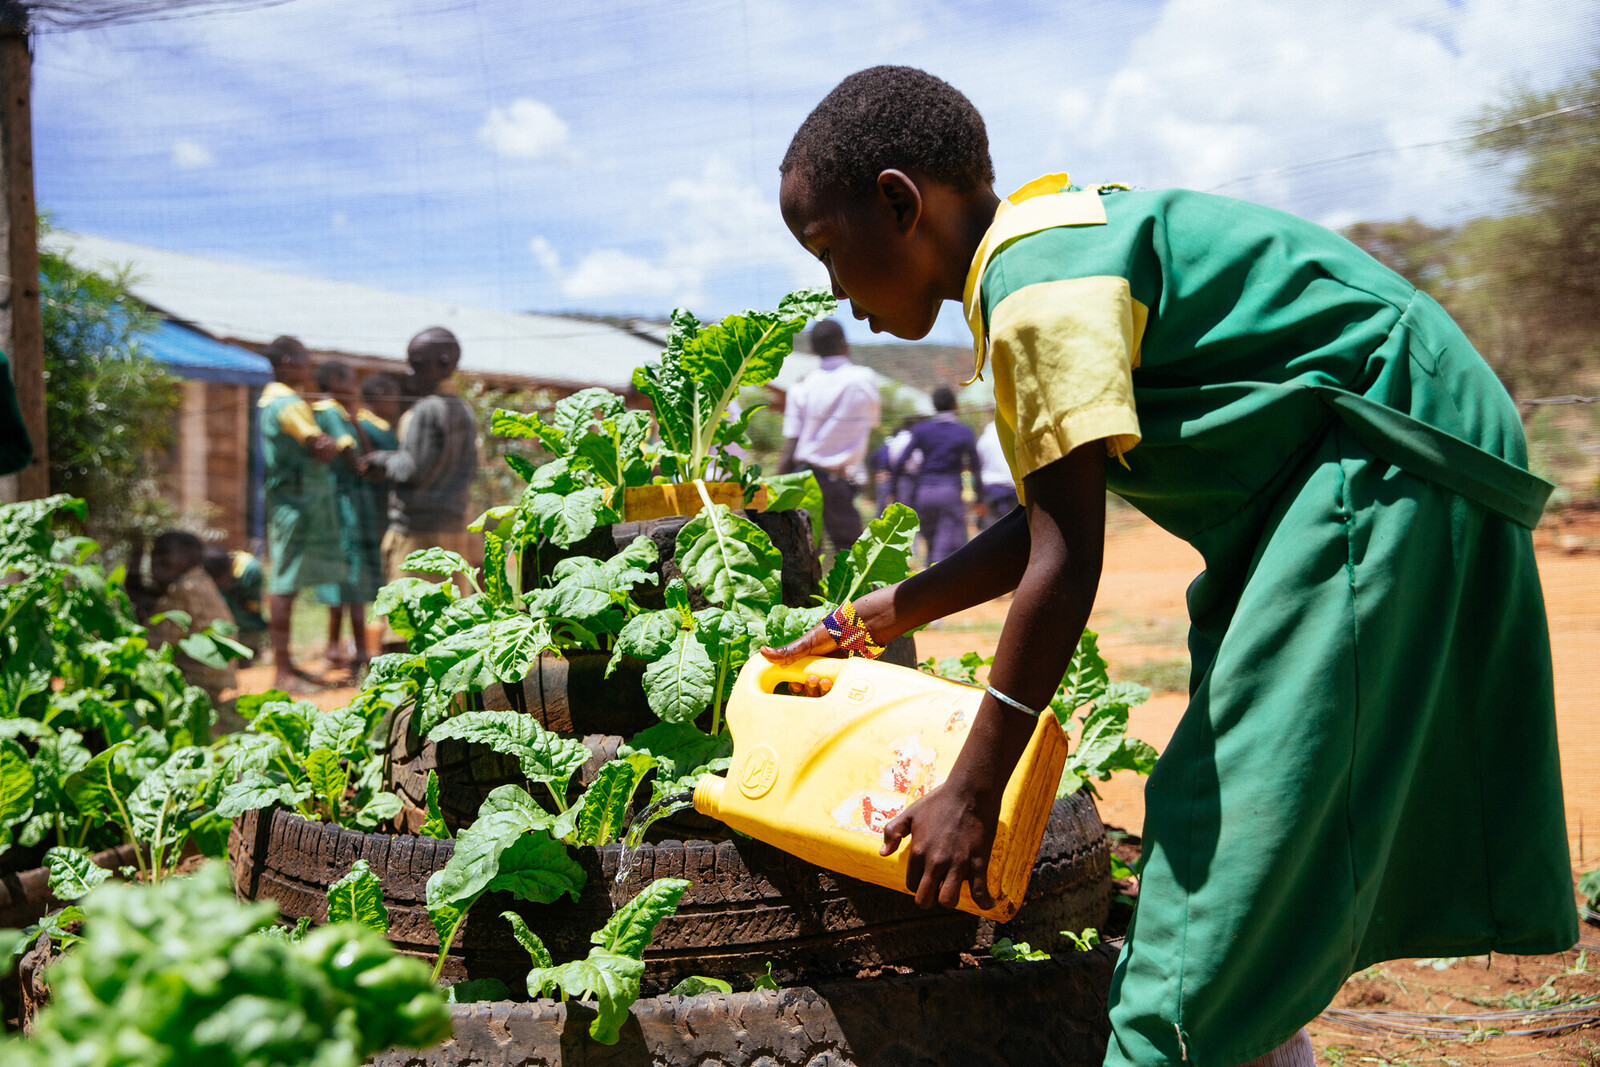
x=820, y=776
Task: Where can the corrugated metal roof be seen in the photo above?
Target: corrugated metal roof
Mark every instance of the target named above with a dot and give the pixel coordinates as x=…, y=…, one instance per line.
x=254, y=305
x=191, y=354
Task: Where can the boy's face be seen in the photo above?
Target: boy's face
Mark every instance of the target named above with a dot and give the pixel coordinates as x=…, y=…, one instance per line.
x=384, y=405
x=875, y=249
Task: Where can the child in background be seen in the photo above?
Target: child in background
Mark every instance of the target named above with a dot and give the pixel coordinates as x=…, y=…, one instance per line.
x=238, y=578
x=346, y=599
x=377, y=421
x=1370, y=657
x=942, y=446
x=179, y=582
x=302, y=513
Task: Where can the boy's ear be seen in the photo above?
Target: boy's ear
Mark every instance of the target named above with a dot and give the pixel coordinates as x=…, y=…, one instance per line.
x=901, y=195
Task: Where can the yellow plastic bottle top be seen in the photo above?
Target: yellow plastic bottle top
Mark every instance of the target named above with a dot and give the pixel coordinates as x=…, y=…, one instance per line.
x=820, y=776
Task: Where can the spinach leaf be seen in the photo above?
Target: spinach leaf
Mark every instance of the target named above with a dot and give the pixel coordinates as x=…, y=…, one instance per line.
x=611, y=973
x=544, y=756
x=732, y=561
x=358, y=898
x=72, y=873
x=881, y=556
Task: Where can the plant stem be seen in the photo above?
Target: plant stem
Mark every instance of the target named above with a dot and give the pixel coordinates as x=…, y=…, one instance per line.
x=127, y=822
x=561, y=801
x=716, y=705
x=446, y=942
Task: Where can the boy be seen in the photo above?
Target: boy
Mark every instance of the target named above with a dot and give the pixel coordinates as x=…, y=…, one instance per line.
x=1369, y=649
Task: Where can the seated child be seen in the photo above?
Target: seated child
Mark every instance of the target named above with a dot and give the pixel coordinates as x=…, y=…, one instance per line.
x=179, y=582
x=1370, y=658
x=238, y=578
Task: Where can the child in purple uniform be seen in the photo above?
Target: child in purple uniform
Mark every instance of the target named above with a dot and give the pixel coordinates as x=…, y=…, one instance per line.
x=946, y=445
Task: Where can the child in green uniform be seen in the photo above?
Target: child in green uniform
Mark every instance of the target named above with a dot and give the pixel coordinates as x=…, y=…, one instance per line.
x=1370, y=660
x=346, y=598
x=302, y=517
x=380, y=411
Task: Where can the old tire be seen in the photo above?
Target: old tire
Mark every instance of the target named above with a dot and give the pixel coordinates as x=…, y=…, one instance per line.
x=748, y=903
x=1049, y=1013
x=569, y=695
x=789, y=531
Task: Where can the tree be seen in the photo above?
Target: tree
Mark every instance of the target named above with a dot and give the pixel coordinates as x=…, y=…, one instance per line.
x=111, y=405
x=1525, y=284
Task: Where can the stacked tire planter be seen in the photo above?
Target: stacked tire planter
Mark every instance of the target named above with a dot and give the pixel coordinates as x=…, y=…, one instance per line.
x=748, y=904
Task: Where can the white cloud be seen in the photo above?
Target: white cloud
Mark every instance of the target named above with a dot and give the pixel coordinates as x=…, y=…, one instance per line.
x=1261, y=99
x=545, y=255
x=191, y=155
x=610, y=272
x=713, y=224
x=526, y=129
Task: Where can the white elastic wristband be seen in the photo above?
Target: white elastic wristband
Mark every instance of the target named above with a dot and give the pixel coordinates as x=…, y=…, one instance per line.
x=1002, y=698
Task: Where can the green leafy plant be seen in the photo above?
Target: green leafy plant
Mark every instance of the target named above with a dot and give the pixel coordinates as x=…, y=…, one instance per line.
x=765, y=981
x=1006, y=949
x=1101, y=706
x=611, y=973
x=508, y=847
x=358, y=898
x=324, y=765
x=180, y=973
x=701, y=372
x=1083, y=942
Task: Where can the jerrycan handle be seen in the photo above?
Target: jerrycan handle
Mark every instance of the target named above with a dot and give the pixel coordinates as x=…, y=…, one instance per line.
x=771, y=675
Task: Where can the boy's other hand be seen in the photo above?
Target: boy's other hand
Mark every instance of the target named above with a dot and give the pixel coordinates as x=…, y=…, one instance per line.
x=952, y=832
x=322, y=447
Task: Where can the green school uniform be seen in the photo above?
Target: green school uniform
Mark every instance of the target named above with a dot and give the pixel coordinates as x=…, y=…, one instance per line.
x=381, y=437
x=1367, y=768
x=244, y=595
x=16, y=449
x=302, y=517
x=360, y=526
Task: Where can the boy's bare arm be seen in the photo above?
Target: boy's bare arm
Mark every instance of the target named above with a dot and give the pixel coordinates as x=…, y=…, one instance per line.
x=988, y=566
x=952, y=828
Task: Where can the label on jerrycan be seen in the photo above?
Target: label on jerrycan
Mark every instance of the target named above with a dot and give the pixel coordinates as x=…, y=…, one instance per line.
x=759, y=772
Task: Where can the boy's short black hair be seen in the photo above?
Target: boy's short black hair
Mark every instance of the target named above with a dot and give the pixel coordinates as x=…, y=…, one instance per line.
x=379, y=384
x=178, y=544
x=891, y=117
x=944, y=398
x=284, y=347
x=330, y=372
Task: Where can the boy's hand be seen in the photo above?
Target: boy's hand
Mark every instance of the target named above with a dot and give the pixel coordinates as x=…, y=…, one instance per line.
x=322, y=447
x=952, y=832
x=876, y=610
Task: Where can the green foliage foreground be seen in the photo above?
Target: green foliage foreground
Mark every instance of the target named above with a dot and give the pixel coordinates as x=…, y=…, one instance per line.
x=180, y=973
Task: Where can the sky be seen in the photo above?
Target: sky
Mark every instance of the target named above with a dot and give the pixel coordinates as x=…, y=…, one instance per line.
x=622, y=157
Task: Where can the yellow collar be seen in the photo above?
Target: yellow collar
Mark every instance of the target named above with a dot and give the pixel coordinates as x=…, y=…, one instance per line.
x=274, y=391
x=328, y=403
x=378, y=421
x=1042, y=204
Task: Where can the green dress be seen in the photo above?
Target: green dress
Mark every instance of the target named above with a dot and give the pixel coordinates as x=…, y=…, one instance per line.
x=1367, y=769
x=360, y=523
x=380, y=437
x=302, y=517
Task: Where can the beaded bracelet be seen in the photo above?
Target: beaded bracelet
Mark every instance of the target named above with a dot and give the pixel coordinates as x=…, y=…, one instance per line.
x=850, y=633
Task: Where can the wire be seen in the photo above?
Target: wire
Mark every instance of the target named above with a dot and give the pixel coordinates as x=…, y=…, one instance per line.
x=1389, y=149
x=1569, y=399
x=1466, y=1024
